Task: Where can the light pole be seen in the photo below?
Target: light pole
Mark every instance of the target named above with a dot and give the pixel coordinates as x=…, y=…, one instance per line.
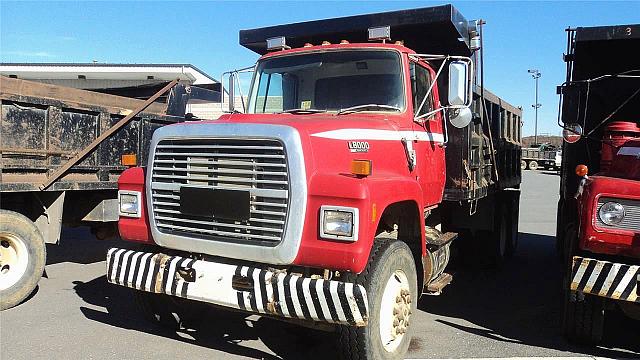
x=536, y=75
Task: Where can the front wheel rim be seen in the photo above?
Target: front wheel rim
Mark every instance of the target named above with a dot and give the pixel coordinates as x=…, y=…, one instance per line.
x=14, y=258
x=395, y=311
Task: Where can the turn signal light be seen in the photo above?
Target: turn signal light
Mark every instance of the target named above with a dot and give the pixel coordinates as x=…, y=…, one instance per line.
x=129, y=160
x=361, y=167
x=582, y=170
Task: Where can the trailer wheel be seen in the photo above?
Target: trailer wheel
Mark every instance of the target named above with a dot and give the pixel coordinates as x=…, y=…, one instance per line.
x=22, y=258
x=168, y=311
x=533, y=165
x=583, y=318
x=391, y=282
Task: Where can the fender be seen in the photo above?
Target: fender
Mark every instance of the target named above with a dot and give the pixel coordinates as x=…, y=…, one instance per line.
x=134, y=229
x=371, y=195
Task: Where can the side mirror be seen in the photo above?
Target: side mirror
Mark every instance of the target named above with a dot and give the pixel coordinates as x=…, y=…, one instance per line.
x=460, y=117
x=231, y=90
x=572, y=133
x=459, y=84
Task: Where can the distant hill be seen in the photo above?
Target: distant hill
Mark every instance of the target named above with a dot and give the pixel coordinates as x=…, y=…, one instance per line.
x=555, y=140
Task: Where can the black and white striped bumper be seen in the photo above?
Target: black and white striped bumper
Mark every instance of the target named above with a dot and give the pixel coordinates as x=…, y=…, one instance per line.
x=246, y=288
x=606, y=279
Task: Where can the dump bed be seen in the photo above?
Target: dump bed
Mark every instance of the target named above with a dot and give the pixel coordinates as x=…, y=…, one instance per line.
x=42, y=126
x=480, y=157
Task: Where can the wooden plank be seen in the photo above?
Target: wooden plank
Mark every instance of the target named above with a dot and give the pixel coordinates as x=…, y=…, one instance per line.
x=16, y=89
x=63, y=169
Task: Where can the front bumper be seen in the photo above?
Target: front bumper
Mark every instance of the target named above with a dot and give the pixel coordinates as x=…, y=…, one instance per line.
x=606, y=279
x=247, y=288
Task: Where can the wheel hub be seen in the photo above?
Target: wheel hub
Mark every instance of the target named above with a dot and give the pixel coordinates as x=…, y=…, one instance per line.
x=395, y=311
x=13, y=259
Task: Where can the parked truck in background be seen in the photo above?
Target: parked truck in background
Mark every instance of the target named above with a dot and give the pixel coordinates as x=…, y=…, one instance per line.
x=367, y=145
x=59, y=165
x=599, y=209
x=540, y=155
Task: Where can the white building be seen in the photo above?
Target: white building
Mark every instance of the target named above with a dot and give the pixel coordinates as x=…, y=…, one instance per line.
x=135, y=80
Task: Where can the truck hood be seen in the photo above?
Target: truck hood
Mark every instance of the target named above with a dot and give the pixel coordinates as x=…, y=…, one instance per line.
x=626, y=162
x=309, y=124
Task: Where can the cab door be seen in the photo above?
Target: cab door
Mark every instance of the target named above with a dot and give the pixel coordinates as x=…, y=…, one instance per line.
x=429, y=144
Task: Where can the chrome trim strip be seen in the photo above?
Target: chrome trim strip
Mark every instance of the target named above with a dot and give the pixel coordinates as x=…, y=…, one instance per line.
x=284, y=252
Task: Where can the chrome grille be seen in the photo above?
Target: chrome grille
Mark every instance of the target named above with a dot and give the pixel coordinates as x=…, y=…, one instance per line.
x=631, y=219
x=255, y=165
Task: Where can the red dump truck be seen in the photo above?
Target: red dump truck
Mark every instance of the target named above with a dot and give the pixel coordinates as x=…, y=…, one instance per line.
x=366, y=147
x=599, y=210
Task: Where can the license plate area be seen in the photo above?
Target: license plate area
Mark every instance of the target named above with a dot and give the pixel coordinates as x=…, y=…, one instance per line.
x=216, y=203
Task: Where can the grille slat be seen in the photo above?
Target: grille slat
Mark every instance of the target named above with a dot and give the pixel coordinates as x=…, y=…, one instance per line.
x=226, y=179
x=220, y=155
x=230, y=162
x=221, y=171
x=631, y=219
x=258, y=166
x=194, y=231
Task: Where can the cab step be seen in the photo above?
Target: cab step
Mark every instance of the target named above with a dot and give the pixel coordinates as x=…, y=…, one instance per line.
x=435, y=287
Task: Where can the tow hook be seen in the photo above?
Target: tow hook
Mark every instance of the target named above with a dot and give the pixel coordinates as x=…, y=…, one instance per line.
x=188, y=274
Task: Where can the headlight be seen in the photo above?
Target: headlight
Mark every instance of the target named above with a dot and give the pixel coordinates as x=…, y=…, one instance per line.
x=130, y=203
x=339, y=223
x=611, y=213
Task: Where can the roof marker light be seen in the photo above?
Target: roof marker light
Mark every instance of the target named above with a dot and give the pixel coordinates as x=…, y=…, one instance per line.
x=380, y=33
x=326, y=43
x=277, y=43
x=344, y=42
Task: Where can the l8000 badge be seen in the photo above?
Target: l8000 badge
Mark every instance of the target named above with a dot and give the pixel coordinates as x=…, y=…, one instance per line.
x=358, y=146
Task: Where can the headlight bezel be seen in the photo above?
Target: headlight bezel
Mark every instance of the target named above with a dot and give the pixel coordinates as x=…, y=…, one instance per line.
x=328, y=234
x=124, y=194
x=607, y=221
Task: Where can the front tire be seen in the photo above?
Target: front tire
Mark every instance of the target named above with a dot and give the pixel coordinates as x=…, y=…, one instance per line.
x=391, y=282
x=22, y=258
x=583, y=318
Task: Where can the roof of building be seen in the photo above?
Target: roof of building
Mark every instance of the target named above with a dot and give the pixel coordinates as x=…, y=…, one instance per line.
x=162, y=72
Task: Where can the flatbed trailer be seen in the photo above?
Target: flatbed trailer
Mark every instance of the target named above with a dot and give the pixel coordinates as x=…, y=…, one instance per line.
x=43, y=128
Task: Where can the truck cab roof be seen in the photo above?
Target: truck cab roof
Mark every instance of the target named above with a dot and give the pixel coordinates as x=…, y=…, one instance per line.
x=337, y=47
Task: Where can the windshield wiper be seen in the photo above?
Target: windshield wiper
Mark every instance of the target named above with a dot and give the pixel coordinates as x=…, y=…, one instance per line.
x=301, y=111
x=367, y=106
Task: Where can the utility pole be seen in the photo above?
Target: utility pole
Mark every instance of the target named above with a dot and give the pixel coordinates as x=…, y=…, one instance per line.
x=536, y=75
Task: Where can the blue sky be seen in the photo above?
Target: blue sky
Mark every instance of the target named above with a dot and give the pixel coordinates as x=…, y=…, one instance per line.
x=518, y=36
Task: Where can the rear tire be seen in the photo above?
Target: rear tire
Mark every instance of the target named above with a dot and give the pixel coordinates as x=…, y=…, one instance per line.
x=583, y=318
x=391, y=282
x=22, y=258
x=513, y=215
x=523, y=165
x=533, y=165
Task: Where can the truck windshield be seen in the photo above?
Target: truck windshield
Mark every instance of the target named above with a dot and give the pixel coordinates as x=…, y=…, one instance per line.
x=328, y=81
